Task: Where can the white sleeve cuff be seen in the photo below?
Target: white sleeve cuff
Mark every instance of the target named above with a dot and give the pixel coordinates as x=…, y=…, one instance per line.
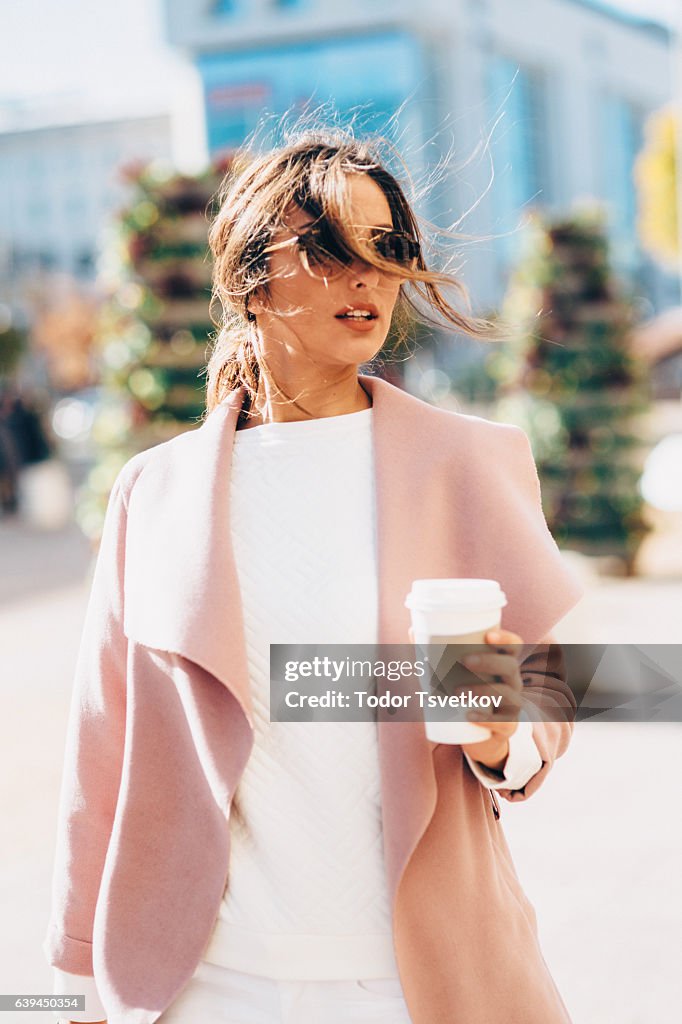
x=523, y=760
x=66, y=984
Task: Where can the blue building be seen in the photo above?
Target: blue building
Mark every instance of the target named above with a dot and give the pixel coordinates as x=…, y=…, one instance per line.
x=527, y=105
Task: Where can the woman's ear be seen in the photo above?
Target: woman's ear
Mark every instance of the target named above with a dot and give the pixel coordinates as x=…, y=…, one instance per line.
x=255, y=303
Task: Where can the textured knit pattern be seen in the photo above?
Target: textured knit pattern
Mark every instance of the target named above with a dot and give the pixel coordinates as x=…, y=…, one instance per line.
x=306, y=896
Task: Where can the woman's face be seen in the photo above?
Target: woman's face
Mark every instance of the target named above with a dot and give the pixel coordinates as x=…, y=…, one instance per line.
x=319, y=324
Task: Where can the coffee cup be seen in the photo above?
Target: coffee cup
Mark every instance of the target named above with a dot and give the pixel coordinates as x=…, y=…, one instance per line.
x=454, y=611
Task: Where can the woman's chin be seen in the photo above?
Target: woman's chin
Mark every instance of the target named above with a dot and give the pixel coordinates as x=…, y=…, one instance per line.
x=368, y=341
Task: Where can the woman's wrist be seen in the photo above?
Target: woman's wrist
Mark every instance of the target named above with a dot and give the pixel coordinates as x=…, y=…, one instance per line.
x=497, y=766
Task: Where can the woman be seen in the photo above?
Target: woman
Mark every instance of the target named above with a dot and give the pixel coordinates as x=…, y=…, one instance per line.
x=212, y=865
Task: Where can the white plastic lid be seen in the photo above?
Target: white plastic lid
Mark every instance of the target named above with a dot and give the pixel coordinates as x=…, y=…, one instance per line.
x=439, y=594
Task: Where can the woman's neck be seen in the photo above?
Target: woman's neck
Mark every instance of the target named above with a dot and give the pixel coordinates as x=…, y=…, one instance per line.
x=285, y=409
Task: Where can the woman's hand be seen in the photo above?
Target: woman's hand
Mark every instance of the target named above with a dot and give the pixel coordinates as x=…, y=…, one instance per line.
x=501, y=677
x=504, y=670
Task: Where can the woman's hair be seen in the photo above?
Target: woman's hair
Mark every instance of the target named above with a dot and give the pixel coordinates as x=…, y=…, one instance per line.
x=310, y=170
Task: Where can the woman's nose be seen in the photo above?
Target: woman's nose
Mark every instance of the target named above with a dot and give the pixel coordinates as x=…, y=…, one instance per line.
x=363, y=275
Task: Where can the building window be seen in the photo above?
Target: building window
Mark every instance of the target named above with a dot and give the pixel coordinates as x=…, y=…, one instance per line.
x=519, y=148
x=74, y=207
x=35, y=168
x=37, y=211
x=84, y=262
x=46, y=259
x=621, y=135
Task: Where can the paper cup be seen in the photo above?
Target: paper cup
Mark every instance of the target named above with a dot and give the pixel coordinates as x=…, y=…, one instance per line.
x=455, y=611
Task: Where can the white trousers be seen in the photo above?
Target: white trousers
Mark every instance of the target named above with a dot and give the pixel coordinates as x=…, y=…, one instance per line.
x=220, y=995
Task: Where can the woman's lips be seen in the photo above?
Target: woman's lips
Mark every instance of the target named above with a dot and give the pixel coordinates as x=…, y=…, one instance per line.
x=358, y=325
x=359, y=318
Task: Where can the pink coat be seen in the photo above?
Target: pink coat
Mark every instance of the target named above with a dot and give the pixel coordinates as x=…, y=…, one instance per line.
x=160, y=731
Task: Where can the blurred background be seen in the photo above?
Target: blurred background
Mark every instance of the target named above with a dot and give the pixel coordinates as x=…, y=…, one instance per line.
x=548, y=133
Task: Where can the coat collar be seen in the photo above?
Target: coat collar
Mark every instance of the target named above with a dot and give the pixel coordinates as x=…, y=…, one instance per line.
x=182, y=593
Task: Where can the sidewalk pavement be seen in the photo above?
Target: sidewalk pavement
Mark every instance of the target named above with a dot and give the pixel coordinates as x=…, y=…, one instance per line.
x=597, y=848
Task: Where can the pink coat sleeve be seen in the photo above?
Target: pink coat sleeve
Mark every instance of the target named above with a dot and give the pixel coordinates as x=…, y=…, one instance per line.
x=93, y=754
x=540, y=589
x=551, y=704
x=551, y=707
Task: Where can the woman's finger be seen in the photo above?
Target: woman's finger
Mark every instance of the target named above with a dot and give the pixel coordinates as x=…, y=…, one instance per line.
x=502, y=636
x=502, y=667
x=504, y=642
x=509, y=705
x=497, y=728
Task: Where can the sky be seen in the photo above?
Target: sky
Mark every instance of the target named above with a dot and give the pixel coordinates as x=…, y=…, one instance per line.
x=63, y=48
x=114, y=51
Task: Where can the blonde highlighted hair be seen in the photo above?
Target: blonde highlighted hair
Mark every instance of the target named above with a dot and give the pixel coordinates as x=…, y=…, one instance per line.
x=310, y=170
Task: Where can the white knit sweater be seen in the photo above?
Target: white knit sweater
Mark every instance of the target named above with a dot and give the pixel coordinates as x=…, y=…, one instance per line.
x=306, y=896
